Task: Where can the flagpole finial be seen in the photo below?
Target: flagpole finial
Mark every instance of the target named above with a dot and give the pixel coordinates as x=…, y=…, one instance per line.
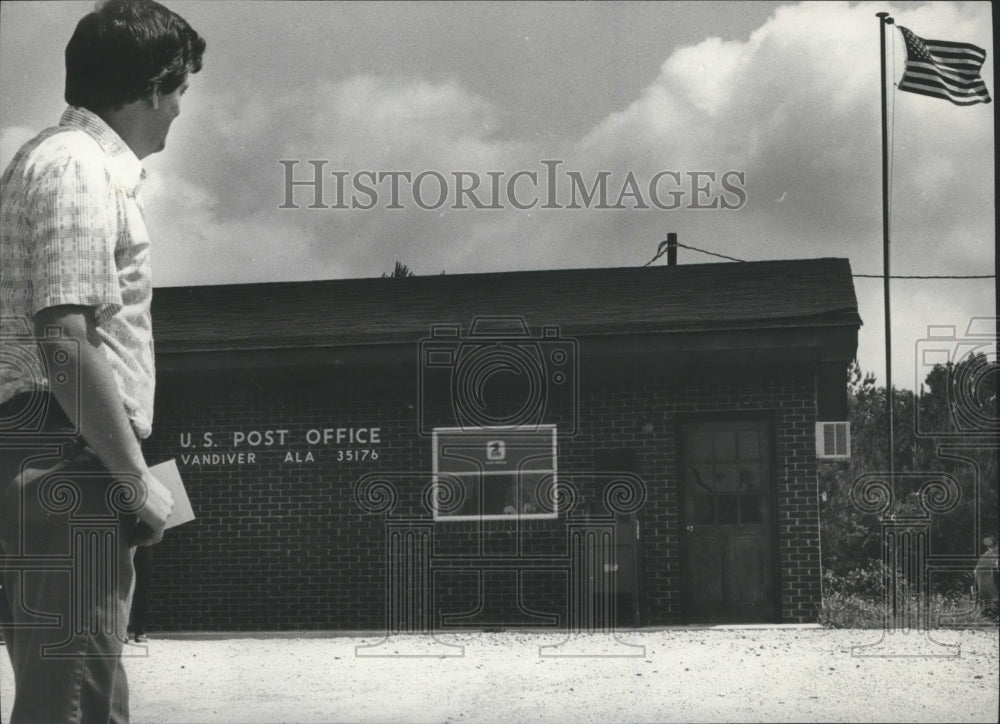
x=886, y=18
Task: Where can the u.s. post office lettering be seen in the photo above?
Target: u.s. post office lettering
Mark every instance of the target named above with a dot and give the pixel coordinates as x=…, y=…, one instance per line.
x=250, y=446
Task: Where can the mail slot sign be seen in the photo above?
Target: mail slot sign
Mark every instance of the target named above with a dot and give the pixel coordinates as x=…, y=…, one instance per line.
x=494, y=473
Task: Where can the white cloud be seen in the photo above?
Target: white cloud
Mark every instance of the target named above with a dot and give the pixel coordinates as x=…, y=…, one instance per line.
x=11, y=139
x=194, y=244
x=794, y=107
x=706, y=74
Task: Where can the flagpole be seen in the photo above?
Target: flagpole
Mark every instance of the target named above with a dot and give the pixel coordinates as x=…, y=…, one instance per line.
x=886, y=20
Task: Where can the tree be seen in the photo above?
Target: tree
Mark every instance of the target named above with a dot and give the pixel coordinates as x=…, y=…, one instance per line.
x=400, y=272
x=932, y=432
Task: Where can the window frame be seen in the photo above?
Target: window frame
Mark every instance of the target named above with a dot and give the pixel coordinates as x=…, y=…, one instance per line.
x=550, y=436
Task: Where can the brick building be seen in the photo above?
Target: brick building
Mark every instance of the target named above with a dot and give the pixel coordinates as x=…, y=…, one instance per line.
x=561, y=448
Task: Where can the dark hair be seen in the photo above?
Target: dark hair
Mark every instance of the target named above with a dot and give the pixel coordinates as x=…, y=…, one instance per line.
x=125, y=48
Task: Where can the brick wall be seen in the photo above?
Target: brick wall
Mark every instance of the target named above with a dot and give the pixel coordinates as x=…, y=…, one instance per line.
x=282, y=542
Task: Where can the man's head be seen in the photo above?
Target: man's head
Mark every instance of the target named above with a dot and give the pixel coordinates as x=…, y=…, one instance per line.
x=133, y=53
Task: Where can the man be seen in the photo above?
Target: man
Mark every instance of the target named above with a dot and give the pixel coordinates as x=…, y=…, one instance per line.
x=986, y=586
x=143, y=562
x=76, y=363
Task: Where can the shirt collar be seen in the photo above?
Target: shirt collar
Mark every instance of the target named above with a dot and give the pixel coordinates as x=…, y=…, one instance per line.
x=128, y=165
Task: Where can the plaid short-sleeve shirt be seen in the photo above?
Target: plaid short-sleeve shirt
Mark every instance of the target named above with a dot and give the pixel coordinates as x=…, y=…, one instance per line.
x=72, y=232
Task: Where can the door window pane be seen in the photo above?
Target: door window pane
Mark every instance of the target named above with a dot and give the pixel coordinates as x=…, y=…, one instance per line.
x=749, y=446
x=723, y=481
x=728, y=507
x=726, y=479
x=701, y=490
x=749, y=478
x=704, y=509
x=725, y=446
x=700, y=447
x=751, y=509
x=727, y=493
x=701, y=479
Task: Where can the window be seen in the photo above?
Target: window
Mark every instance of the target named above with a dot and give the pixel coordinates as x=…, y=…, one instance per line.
x=494, y=473
x=833, y=440
x=724, y=464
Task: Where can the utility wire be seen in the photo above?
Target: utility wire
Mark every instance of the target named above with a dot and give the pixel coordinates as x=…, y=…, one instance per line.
x=929, y=276
x=662, y=249
x=710, y=253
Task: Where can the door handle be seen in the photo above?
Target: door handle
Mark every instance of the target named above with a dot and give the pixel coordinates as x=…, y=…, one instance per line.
x=690, y=529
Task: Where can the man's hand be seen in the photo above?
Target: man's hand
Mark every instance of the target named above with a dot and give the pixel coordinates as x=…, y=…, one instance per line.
x=158, y=503
x=156, y=507
x=90, y=398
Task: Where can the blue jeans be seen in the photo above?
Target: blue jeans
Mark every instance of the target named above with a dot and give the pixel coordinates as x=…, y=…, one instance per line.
x=66, y=569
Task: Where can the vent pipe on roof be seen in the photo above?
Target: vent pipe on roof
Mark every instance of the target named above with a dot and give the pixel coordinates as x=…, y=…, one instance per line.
x=671, y=249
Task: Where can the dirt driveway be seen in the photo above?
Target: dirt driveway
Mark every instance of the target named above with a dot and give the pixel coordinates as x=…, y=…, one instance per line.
x=684, y=675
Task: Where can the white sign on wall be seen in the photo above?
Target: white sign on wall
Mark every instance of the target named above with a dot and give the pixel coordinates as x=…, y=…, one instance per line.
x=495, y=473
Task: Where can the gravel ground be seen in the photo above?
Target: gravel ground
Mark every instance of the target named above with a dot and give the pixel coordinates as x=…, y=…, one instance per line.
x=685, y=675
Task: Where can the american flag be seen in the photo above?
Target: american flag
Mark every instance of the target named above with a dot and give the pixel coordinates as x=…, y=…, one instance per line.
x=944, y=70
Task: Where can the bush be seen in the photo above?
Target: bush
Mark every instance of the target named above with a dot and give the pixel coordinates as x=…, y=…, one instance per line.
x=857, y=600
x=841, y=610
x=866, y=581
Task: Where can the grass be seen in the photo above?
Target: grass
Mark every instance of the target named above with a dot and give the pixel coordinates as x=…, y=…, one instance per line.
x=857, y=599
x=936, y=611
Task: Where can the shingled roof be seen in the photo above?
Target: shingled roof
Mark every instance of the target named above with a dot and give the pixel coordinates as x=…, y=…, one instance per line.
x=582, y=302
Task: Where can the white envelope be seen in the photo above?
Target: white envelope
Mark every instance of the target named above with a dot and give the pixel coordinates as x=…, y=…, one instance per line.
x=168, y=474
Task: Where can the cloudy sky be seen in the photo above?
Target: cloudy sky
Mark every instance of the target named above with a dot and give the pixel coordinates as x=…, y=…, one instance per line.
x=764, y=114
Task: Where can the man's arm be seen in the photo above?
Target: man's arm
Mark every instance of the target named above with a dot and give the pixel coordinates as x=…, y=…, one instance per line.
x=91, y=400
